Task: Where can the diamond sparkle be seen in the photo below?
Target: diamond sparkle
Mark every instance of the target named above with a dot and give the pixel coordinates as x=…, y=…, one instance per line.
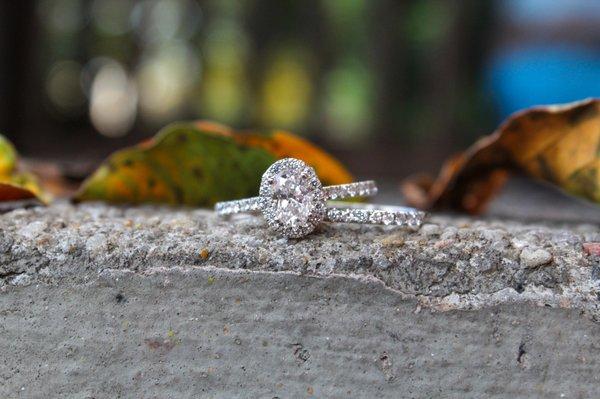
x=293, y=198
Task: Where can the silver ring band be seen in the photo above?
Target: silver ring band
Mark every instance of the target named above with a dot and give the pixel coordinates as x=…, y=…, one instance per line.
x=375, y=214
x=340, y=212
x=366, y=188
x=246, y=205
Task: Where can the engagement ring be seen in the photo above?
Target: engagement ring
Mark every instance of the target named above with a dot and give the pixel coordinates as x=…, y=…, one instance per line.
x=294, y=202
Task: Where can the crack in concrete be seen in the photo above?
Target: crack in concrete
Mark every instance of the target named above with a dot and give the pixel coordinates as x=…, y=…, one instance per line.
x=534, y=295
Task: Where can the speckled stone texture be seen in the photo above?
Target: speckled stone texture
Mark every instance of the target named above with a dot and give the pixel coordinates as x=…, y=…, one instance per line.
x=99, y=301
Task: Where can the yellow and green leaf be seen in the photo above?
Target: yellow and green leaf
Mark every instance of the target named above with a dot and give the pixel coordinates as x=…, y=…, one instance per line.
x=200, y=163
x=15, y=185
x=8, y=157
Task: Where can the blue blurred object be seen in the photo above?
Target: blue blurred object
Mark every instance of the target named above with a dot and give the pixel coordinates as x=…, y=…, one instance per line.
x=543, y=75
x=527, y=12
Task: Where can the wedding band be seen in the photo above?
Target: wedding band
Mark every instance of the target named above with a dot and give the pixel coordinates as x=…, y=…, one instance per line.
x=340, y=191
x=294, y=202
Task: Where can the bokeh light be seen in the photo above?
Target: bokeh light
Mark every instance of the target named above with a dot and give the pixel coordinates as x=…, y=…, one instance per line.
x=63, y=87
x=224, y=89
x=348, y=102
x=166, y=77
x=113, y=101
x=111, y=17
x=286, y=90
x=62, y=16
x=164, y=20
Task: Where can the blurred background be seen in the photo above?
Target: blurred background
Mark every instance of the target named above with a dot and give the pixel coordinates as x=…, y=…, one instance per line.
x=391, y=87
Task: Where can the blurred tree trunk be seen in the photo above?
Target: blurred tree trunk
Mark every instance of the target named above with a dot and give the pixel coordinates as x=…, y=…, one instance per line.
x=16, y=40
x=390, y=53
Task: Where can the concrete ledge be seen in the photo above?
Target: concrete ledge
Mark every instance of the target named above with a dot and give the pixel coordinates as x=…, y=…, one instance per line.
x=99, y=301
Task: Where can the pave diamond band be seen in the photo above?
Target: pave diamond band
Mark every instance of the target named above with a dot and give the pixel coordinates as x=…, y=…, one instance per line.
x=366, y=188
x=375, y=214
x=294, y=203
x=246, y=205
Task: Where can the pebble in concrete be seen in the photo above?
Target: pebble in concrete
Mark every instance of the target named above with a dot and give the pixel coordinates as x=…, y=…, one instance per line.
x=532, y=257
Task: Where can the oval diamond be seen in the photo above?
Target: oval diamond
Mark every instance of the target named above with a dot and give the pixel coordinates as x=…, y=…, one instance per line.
x=292, y=197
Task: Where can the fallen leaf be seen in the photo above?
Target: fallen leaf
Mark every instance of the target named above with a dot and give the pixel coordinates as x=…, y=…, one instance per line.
x=559, y=144
x=199, y=164
x=14, y=184
x=284, y=144
x=8, y=157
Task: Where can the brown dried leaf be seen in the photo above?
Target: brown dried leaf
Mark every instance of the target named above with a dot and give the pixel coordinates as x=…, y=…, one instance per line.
x=559, y=144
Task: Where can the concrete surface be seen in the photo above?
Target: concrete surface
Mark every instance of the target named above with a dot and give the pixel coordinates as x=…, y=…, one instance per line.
x=152, y=302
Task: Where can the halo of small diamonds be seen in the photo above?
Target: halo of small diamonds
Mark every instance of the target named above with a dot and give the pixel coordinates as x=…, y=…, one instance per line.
x=292, y=198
